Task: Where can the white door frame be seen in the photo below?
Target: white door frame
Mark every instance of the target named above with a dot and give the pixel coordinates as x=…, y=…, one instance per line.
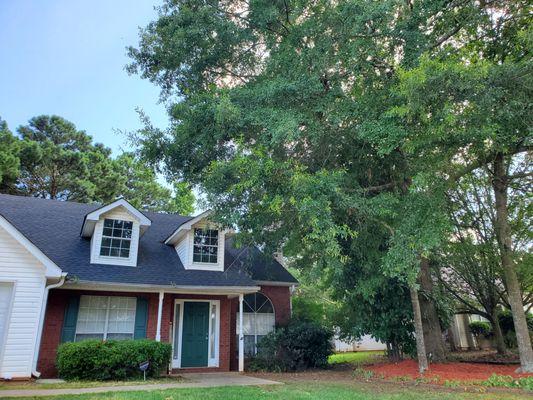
x=212, y=359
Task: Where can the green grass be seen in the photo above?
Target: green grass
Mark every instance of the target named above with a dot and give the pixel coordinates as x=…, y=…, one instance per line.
x=296, y=391
x=32, y=385
x=359, y=357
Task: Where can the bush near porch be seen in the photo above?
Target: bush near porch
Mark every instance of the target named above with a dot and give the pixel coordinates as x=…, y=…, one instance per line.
x=112, y=359
x=300, y=345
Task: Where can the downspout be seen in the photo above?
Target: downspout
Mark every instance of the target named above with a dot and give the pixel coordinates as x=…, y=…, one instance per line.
x=34, y=371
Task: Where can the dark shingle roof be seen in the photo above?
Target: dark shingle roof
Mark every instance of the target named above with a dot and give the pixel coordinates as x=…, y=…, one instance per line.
x=54, y=227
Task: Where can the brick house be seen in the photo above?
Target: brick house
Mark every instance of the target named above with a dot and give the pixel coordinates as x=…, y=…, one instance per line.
x=71, y=271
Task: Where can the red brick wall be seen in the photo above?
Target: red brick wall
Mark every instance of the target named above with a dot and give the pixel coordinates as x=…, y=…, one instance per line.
x=53, y=323
x=280, y=296
x=57, y=300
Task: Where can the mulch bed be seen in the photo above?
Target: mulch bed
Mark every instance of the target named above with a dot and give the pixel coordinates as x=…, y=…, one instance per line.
x=441, y=372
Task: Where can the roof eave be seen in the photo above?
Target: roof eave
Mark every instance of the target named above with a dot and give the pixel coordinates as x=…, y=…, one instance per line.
x=185, y=226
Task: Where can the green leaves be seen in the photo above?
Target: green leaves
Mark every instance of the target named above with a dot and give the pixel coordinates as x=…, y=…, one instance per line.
x=311, y=125
x=52, y=159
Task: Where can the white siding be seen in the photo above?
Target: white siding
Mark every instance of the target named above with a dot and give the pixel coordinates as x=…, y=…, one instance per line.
x=184, y=250
x=96, y=240
x=27, y=274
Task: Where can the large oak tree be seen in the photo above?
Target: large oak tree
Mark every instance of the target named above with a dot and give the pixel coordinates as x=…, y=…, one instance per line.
x=305, y=122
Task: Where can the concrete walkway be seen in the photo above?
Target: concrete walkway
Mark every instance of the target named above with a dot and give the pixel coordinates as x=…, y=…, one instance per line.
x=204, y=380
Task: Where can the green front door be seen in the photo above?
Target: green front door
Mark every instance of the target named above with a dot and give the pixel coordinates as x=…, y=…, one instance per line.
x=195, y=334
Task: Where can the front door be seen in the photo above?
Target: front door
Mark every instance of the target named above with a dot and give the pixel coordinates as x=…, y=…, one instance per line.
x=194, y=348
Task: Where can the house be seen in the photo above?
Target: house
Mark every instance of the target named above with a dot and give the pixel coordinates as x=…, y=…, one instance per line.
x=71, y=271
x=364, y=343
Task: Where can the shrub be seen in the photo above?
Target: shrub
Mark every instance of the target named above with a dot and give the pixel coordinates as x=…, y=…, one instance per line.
x=112, y=359
x=301, y=345
x=480, y=328
x=506, y=323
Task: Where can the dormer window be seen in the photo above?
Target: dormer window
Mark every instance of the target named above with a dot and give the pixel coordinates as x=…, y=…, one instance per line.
x=205, y=246
x=116, y=238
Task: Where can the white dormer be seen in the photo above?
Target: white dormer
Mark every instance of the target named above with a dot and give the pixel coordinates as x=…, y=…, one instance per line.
x=199, y=244
x=115, y=230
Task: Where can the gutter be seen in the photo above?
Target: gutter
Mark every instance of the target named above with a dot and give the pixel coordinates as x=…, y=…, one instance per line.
x=34, y=371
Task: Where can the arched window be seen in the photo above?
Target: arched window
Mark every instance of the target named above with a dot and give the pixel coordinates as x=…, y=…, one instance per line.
x=258, y=320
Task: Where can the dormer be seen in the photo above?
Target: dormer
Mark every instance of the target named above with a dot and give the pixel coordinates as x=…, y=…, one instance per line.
x=199, y=244
x=115, y=230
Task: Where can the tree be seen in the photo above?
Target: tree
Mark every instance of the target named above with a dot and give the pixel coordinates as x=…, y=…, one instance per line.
x=296, y=121
x=52, y=159
x=60, y=162
x=9, y=157
x=483, y=112
x=142, y=190
x=471, y=269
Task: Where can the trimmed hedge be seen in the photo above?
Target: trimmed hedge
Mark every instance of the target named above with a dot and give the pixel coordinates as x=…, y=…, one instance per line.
x=300, y=345
x=479, y=328
x=112, y=359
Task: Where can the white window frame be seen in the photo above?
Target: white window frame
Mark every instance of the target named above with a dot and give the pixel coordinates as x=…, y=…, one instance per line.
x=254, y=313
x=213, y=360
x=106, y=325
x=130, y=239
x=186, y=257
x=206, y=228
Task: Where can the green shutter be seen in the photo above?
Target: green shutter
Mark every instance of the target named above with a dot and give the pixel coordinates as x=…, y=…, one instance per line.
x=71, y=318
x=141, y=317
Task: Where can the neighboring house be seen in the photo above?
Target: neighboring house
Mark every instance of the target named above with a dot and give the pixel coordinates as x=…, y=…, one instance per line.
x=460, y=337
x=365, y=343
x=71, y=271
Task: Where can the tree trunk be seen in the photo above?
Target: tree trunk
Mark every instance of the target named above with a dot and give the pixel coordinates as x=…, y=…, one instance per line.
x=498, y=335
x=433, y=340
x=419, y=332
x=503, y=235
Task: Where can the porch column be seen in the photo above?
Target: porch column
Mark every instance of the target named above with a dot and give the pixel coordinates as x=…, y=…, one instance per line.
x=159, y=315
x=241, y=335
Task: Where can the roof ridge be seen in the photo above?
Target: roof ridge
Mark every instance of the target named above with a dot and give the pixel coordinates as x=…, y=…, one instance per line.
x=94, y=204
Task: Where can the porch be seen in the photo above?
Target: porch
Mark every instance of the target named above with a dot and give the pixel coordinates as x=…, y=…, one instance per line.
x=204, y=325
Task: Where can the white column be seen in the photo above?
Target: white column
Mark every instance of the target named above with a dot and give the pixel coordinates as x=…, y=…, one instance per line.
x=241, y=335
x=159, y=315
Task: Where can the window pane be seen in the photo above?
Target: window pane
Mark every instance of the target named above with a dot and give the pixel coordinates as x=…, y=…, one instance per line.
x=205, y=247
x=95, y=311
x=258, y=320
x=116, y=238
x=249, y=345
x=84, y=336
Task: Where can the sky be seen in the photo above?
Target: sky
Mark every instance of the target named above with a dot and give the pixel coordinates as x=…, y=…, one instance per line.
x=67, y=57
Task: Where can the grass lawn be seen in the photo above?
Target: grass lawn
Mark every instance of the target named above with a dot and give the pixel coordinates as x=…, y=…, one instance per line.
x=298, y=391
x=359, y=357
